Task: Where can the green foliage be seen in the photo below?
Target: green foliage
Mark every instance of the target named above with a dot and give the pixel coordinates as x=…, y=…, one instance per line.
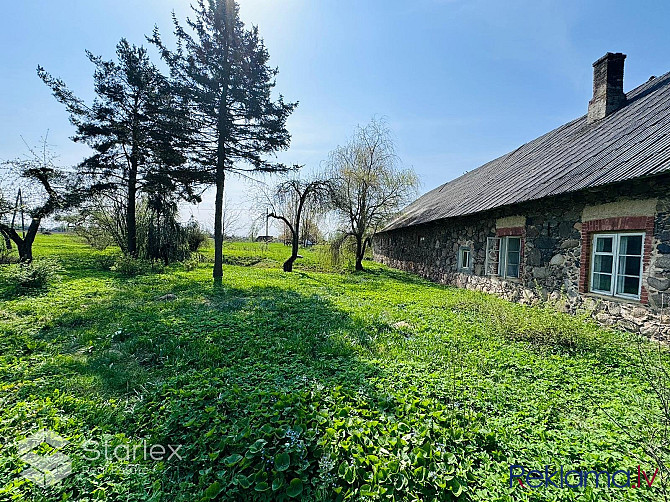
x=131, y=267
x=311, y=386
x=106, y=261
x=191, y=264
x=196, y=237
x=95, y=226
x=546, y=327
x=133, y=125
x=162, y=239
x=272, y=255
x=221, y=70
x=22, y=278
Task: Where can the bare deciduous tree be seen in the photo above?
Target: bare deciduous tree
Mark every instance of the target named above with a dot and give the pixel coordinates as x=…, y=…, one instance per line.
x=230, y=218
x=289, y=200
x=44, y=192
x=5, y=209
x=367, y=184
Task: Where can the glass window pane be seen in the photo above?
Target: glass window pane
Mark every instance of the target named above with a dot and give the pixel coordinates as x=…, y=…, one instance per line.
x=629, y=265
x=512, y=270
x=513, y=258
x=514, y=244
x=501, y=256
x=602, y=263
x=628, y=285
x=602, y=282
x=604, y=244
x=630, y=244
x=465, y=258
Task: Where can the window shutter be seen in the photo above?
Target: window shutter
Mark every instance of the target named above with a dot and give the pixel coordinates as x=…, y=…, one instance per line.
x=491, y=265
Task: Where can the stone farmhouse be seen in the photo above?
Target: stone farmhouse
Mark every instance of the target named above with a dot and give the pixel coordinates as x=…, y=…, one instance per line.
x=579, y=216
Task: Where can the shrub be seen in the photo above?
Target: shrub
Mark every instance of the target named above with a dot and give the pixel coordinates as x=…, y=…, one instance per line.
x=540, y=325
x=160, y=237
x=191, y=264
x=106, y=261
x=22, y=278
x=130, y=267
x=6, y=255
x=196, y=237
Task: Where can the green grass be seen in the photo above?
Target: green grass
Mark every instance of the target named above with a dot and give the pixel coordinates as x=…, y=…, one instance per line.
x=274, y=254
x=318, y=386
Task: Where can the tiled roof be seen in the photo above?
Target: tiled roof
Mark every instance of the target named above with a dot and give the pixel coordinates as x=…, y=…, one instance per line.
x=632, y=142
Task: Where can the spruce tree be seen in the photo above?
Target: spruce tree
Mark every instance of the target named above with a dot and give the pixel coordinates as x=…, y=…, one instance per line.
x=222, y=69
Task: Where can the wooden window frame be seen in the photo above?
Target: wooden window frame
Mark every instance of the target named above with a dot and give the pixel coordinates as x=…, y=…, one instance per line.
x=461, y=251
x=616, y=241
x=641, y=224
x=502, y=234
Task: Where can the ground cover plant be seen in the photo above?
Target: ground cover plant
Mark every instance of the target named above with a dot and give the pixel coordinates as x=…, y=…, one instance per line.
x=307, y=386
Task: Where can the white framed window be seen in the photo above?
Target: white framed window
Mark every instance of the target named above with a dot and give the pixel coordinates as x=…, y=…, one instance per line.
x=503, y=256
x=464, y=257
x=616, y=264
x=510, y=252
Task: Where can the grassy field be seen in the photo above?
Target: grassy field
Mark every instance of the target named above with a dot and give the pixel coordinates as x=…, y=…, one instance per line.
x=309, y=386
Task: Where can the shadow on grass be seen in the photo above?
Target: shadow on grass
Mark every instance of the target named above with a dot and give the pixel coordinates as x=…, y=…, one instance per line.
x=259, y=336
x=397, y=275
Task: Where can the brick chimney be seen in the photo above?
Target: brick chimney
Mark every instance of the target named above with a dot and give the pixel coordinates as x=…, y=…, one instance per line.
x=608, y=95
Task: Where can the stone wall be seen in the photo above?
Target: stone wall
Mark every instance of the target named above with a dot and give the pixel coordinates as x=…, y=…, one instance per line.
x=556, y=235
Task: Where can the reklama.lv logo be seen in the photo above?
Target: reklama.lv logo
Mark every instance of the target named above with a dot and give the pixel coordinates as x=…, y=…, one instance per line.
x=550, y=477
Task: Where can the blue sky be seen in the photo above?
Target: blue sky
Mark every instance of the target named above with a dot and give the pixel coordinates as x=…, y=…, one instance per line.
x=460, y=82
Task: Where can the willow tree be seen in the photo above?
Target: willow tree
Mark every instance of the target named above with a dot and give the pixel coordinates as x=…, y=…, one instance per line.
x=368, y=184
x=221, y=68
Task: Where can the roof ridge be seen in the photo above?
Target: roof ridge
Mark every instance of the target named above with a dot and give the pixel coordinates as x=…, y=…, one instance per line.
x=570, y=157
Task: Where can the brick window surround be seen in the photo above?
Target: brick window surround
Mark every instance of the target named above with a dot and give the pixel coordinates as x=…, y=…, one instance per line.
x=515, y=232
x=622, y=224
x=510, y=232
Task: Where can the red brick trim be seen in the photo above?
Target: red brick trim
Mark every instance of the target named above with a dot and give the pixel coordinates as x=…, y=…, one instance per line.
x=510, y=232
x=622, y=224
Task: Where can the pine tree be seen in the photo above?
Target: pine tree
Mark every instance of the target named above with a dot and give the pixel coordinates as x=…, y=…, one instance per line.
x=134, y=125
x=222, y=70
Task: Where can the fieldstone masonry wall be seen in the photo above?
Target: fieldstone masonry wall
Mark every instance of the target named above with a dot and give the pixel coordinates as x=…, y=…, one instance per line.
x=556, y=235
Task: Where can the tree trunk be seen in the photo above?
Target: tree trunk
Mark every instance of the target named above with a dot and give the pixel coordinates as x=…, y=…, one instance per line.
x=360, y=250
x=25, y=252
x=218, y=224
x=295, y=235
x=223, y=132
x=24, y=245
x=29, y=239
x=8, y=240
x=131, y=211
x=288, y=264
